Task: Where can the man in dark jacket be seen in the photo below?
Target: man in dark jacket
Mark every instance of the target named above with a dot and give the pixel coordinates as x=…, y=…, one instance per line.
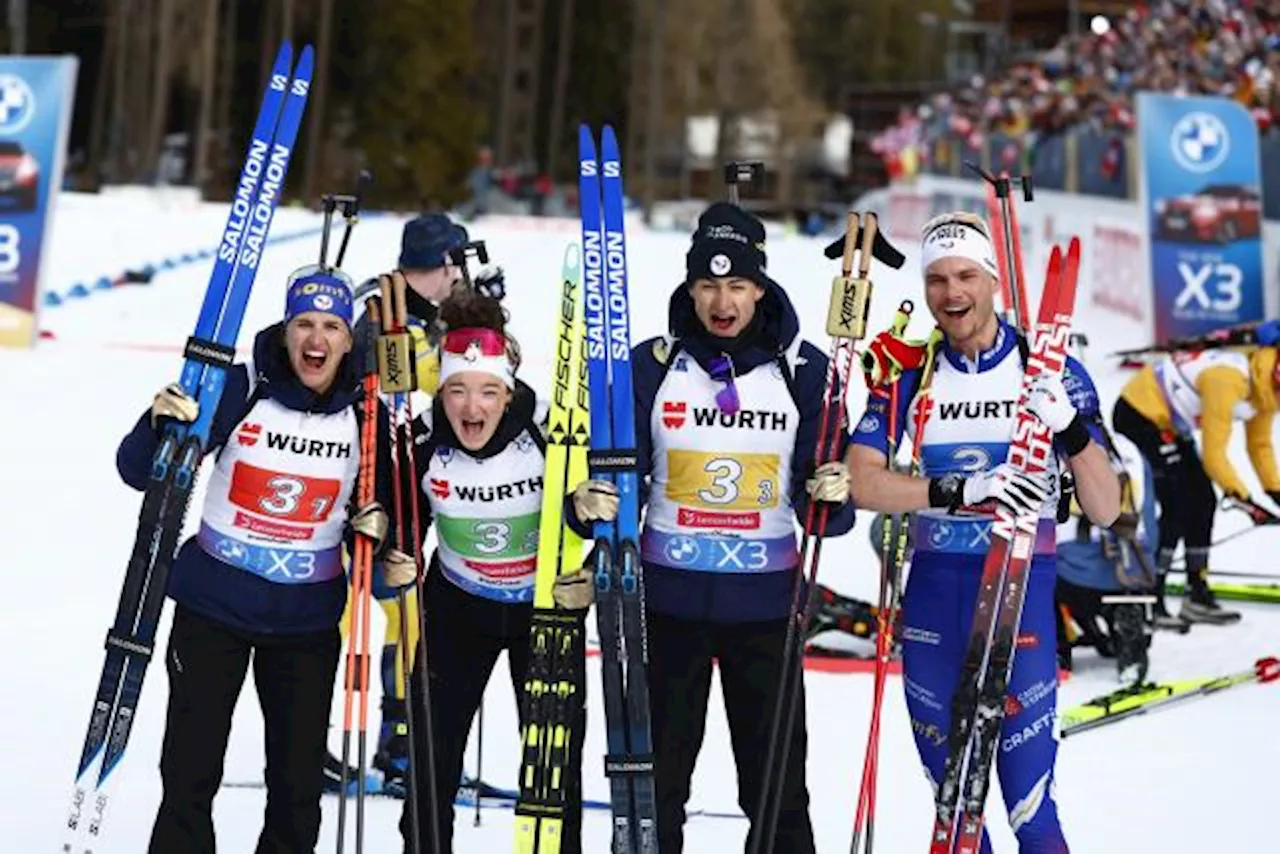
x=727, y=418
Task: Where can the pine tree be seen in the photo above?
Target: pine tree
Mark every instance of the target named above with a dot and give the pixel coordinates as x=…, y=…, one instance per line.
x=416, y=123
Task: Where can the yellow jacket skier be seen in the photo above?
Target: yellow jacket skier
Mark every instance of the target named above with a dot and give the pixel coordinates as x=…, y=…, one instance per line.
x=1160, y=410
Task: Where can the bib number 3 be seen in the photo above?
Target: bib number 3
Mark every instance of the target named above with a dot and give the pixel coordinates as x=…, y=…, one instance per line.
x=725, y=474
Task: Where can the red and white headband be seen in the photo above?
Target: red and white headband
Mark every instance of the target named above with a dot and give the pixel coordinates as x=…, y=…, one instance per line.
x=480, y=349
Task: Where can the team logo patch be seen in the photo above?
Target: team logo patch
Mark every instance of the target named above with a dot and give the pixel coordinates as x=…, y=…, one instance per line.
x=941, y=534
x=323, y=302
x=674, y=414
x=681, y=550
x=248, y=434
x=524, y=443
x=720, y=264
x=230, y=549
x=869, y=424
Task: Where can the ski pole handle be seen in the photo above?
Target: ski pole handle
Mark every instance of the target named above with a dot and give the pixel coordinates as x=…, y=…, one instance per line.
x=1259, y=514
x=850, y=304
x=395, y=344
x=738, y=171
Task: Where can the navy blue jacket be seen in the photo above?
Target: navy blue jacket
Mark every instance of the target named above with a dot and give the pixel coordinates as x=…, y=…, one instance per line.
x=729, y=598
x=200, y=581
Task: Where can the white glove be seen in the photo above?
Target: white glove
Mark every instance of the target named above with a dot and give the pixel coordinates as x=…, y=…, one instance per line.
x=1008, y=485
x=830, y=482
x=1047, y=399
x=595, y=500
x=491, y=282
x=172, y=402
x=399, y=569
x=371, y=520
x=575, y=591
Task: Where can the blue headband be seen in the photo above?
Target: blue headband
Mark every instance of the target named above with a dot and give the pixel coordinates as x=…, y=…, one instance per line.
x=319, y=291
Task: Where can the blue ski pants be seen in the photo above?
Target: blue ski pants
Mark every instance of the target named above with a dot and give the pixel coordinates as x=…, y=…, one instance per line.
x=937, y=615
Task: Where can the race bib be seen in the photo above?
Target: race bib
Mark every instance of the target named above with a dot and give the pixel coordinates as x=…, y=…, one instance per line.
x=741, y=483
x=287, y=497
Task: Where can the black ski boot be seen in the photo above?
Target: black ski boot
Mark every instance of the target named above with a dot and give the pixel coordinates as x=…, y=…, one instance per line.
x=1200, y=605
x=392, y=757
x=333, y=775
x=1160, y=616
x=1131, y=639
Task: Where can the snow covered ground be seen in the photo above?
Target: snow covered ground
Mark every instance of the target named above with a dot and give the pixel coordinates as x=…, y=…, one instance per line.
x=1197, y=778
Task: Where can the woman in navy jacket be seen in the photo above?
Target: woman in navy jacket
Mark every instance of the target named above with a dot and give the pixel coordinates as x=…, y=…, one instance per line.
x=263, y=579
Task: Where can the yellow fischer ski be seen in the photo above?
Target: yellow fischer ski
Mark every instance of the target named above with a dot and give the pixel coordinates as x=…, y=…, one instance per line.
x=554, y=684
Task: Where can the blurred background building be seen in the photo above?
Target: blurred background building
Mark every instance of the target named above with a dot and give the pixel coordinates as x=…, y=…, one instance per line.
x=474, y=103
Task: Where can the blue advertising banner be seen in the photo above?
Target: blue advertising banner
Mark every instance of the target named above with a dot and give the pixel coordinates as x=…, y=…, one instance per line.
x=1201, y=191
x=36, y=97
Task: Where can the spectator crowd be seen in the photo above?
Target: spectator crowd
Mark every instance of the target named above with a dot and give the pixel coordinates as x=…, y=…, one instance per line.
x=1229, y=48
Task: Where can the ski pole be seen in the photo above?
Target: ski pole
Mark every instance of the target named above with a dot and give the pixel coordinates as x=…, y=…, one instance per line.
x=479, y=757
x=1264, y=670
x=397, y=368
x=846, y=324
x=1002, y=210
x=895, y=537
x=357, y=664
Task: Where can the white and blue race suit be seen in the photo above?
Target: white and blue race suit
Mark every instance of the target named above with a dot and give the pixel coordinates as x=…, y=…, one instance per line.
x=968, y=430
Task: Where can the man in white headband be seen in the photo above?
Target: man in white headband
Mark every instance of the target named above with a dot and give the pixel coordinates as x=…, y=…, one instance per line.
x=963, y=444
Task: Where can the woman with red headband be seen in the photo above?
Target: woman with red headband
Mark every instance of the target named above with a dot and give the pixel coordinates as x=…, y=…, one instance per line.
x=480, y=474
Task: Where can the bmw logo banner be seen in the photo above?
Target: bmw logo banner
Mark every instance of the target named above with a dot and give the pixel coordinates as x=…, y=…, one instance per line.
x=1201, y=194
x=36, y=97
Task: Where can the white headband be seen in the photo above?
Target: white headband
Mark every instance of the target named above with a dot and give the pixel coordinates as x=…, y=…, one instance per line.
x=958, y=239
x=458, y=363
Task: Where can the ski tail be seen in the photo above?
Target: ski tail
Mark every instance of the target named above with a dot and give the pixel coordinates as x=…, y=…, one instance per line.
x=1147, y=697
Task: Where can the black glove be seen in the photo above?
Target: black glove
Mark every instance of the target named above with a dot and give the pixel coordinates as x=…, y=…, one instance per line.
x=1257, y=514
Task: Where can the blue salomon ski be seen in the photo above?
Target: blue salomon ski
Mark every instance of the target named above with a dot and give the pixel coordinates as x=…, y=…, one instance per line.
x=209, y=351
x=616, y=556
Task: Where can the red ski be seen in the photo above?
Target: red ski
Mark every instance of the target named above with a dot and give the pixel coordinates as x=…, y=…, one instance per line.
x=978, y=706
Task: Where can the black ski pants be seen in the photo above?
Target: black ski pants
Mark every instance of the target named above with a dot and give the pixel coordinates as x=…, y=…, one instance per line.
x=749, y=656
x=207, y=661
x=1183, y=489
x=465, y=634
